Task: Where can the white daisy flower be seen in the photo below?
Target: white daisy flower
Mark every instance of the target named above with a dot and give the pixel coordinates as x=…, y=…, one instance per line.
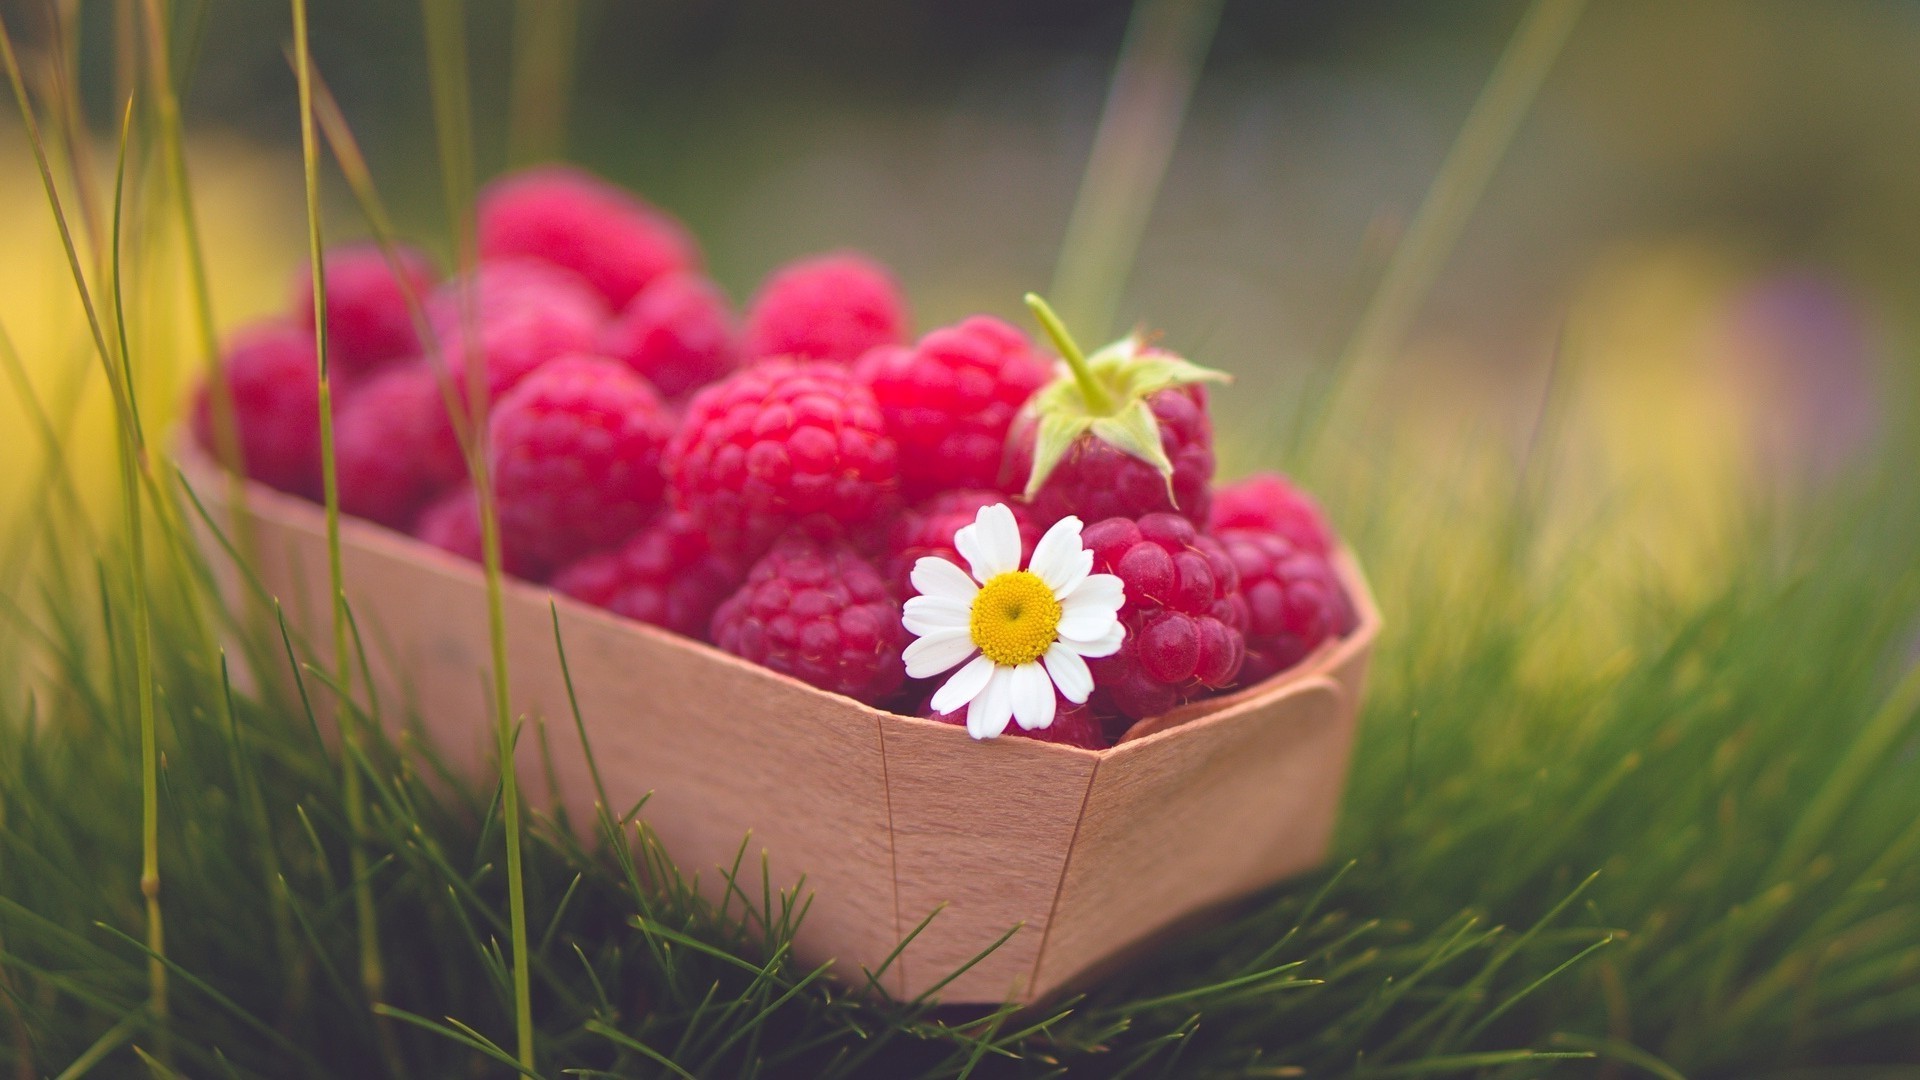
x=1019, y=632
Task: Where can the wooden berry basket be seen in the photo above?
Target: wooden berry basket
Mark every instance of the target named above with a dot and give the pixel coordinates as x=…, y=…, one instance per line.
x=1090, y=854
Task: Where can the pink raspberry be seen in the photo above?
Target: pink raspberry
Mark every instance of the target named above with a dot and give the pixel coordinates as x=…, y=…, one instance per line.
x=452, y=524
x=575, y=455
x=1098, y=480
x=1184, y=614
x=571, y=218
x=829, y=307
x=500, y=285
x=666, y=575
x=820, y=613
x=1270, y=502
x=779, y=443
x=677, y=332
x=950, y=399
x=394, y=448
x=273, y=377
x=513, y=342
x=927, y=528
x=1073, y=725
x=368, y=320
x=1294, y=600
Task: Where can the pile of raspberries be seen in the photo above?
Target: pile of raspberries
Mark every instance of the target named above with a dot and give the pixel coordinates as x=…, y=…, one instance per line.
x=761, y=483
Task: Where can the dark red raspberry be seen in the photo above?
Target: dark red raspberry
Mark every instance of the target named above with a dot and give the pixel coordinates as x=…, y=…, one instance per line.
x=1294, y=600
x=1270, y=502
x=452, y=524
x=677, y=332
x=1073, y=725
x=780, y=443
x=666, y=575
x=368, y=319
x=273, y=378
x=575, y=455
x=829, y=307
x=1184, y=614
x=950, y=399
x=927, y=528
x=393, y=446
x=1097, y=480
x=820, y=613
x=571, y=218
x=502, y=285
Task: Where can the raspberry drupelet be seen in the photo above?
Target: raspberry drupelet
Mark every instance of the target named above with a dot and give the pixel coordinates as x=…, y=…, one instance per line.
x=667, y=575
x=571, y=218
x=273, y=376
x=1184, y=614
x=1270, y=502
x=821, y=613
x=394, y=448
x=678, y=333
x=782, y=443
x=369, y=321
x=829, y=307
x=950, y=399
x=1294, y=600
x=575, y=458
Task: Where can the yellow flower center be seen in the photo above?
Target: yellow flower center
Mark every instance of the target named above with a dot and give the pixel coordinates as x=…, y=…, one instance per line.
x=1014, y=618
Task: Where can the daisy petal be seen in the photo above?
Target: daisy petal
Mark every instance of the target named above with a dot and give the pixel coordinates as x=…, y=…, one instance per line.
x=1032, y=697
x=1058, y=557
x=991, y=544
x=1086, y=613
x=923, y=615
x=963, y=687
x=1105, y=645
x=988, y=714
x=1069, y=673
x=935, y=576
x=935, y=653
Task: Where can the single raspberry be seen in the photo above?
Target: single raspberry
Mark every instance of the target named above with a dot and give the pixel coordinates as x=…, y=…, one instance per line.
x=501, y=285
x=1073, y=725
x=678, y=332
x=393, y=446
x=927, y=528
x=571, y=218
x=514, y=342
x=1184, y=614
x=1121, y=433
x=273, y=378
x=368, y=319
x=666, y=575
x=452, y=524
x=1294, y=600
x=819, y=612
x=950, y=399
x=1270, y=502
x=829, y=307
x=779, y=443
x=575, y=457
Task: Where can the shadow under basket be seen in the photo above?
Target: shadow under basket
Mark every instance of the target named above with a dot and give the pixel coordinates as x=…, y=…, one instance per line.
x=1086, y=856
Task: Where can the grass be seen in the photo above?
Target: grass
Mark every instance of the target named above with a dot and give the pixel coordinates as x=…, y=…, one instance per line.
x=1604, y=819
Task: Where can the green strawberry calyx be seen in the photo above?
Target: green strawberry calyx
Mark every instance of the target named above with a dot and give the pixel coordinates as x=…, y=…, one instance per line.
x=1104, y=396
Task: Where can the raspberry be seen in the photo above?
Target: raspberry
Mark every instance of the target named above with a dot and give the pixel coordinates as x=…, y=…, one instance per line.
x=677, y=332
x=575, y=453
x=513, y=342
x=1073, y=725
x=666, y=575
x=1269, y=502
x=1184, y=614
x=829, y=307
x=368, y=321
x=819, y=612
x=950, y=399
x=927, y=528
x=571, y=218
x=1294, y=600
x=1098, y=480
x=273, y=377
x=502, y=285
x=393, y=446
x=780, y=443
x=452, y=524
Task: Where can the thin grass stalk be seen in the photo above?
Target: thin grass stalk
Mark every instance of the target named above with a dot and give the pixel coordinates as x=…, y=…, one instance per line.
x=453, y=121
x=366, y=917
x=1166, y=46
x=545, y=34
